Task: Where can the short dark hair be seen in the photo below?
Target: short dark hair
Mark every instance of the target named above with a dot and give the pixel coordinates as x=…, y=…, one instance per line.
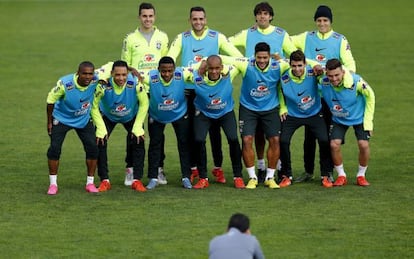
x=86, y=64
x=263, y=6
x=297, y=55
x=239, y=221
x=197, y=9
x=214, y=56
x=146, y=6
x=333, y=64
x=261, y=46
x=119, y=63
x=166, y=60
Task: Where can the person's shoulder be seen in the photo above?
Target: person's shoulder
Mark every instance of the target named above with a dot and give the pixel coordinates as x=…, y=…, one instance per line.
x=278, y=30
x=131, y=34
x=337, y=35
x=213, y=33
x=161, y=32
x=185, y=34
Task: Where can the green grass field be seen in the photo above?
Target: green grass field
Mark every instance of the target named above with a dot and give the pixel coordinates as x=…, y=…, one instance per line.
x=42, y=40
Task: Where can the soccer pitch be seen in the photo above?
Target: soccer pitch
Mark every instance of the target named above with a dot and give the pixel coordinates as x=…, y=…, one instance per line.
x=42, y=40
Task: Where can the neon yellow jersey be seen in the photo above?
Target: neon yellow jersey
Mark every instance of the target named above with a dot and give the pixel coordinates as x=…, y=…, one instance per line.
x=224, y=46
x=140, y=54
x=344, y=55
x=268, y=35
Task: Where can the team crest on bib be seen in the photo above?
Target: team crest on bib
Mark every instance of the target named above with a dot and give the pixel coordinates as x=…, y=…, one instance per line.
x=158, y=45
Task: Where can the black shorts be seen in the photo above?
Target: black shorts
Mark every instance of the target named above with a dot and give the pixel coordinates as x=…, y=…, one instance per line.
x=338, y=131
x=269, y=121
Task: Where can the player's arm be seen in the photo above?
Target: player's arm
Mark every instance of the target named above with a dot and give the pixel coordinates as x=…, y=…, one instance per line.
x=126, y=54
x=284, y=66
x=239, y=64
x=175, y=48
x=96, y=115
x=104, y=72
x=227, y=47
x=239, y=39
x=346, y=55
x=53, y=96
x=164, y=45
x=299, y=40
x=287, y=45
x=364, y=89
x=138, y=128
x=283, y=111
x=188, y=76
x=316, y=66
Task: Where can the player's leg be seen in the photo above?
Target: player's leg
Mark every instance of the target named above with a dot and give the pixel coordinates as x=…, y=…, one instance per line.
x=156, y=132
x=272, y=127
x=247, y=124
x=194, y=157
x=260, y=143
x=54, y=151
x=88, y=138
x=318, y=127
x=216, y=144
x=337, y=134
x=102, y=148
x=201, y=126
x=364, y=153
x=309, y=149
x=289, y=126
x=229, y=124
x=103, y=170
x=181, y=129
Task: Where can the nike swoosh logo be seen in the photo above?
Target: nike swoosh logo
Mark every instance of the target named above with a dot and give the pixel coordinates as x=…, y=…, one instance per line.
x=82, y=100
x=212, y=95
x=259, y=81
x=197, y=50
x=164, y=95
x=335, y=100
x=316, y=49
x=299, y=94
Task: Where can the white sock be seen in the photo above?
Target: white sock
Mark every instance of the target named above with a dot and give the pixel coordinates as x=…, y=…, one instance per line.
x=261, y=164
x=252, y=172
x=279, y=165
x=340, y=170
x=270, y=173
x=362, y=170
x=53, y=179
x=89, y=180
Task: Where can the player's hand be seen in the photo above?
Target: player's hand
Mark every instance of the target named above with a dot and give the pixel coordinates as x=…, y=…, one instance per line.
x=318, y=70
x=371, y=133
x=136, y=73
x=101, y=141
x=139, y=138
x=203, y=68
x=49, y=128
x=283, y=116
x=276, y=56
